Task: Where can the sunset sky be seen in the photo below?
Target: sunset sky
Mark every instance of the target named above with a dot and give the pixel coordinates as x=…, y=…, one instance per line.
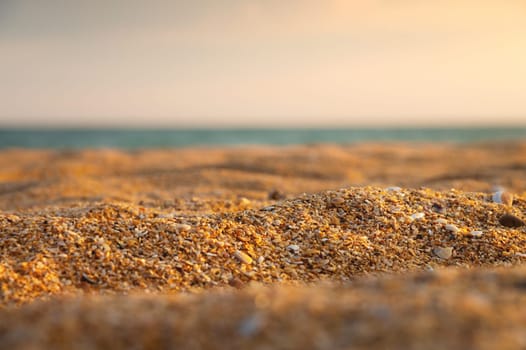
x=262, y=63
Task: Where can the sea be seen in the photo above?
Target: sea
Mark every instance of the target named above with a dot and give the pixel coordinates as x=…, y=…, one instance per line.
x=170, y=138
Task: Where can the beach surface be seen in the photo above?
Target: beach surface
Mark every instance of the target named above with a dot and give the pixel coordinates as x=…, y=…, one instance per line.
x=372, y=245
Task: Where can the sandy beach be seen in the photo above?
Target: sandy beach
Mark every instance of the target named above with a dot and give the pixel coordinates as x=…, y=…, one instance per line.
x=373, y=245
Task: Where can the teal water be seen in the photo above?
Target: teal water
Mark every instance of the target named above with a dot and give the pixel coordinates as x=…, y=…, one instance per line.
x=122, y=138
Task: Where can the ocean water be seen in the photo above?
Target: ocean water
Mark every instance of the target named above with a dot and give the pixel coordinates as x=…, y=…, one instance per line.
x=136, y=138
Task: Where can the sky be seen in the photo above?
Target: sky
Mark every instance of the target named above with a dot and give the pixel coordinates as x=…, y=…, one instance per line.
x=262, y=63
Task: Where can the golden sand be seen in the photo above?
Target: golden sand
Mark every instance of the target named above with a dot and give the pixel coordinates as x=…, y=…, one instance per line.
x=264, y=247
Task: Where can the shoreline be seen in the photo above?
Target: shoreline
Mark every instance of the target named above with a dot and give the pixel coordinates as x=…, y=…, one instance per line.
x=141, y=138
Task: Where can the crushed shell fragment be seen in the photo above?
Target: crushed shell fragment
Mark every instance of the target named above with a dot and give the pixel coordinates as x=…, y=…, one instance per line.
x=243, y=257
x=503, y=197
x=244, y=202
x=476, y=233
x=451, y=228
x=294, y=248
x=443, y=252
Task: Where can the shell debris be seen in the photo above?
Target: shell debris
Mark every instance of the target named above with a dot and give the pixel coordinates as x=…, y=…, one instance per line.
x=243, y=257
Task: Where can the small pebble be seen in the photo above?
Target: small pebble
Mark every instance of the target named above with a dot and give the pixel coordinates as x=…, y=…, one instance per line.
x=294, y=248
x=476, y=233
x=269, y=208
x=337, y=201
x=509, y=220
x=276, y=195
x=451, y=228
x=243, y=257
x=183, y=227
x=441, y=221
x=236, y=283
x=417, y=216
x=443, y=253
x=393, y=189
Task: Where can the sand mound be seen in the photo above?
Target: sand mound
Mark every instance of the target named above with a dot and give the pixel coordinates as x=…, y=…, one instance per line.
x=334, y=235
x=219, y=248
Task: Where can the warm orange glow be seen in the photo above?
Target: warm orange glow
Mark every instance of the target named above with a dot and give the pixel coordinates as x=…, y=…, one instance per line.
x=264, y=63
